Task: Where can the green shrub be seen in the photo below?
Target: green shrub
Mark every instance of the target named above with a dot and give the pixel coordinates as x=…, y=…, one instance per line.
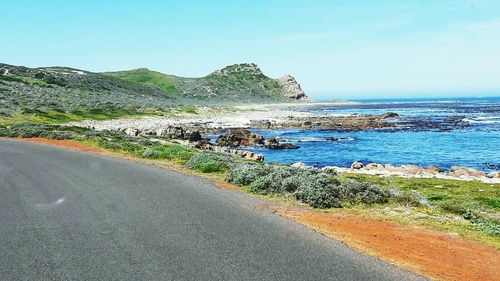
x=207, y=162
x=29, y=130
x=171, y=152
x=409, y=198
x=246, y=173
x=58, y=135
x=150, y=153
x=318, y=188
x=320, y=191
x=362, y=192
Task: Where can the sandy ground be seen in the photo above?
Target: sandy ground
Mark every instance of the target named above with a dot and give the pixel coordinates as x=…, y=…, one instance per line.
x=435, y=254
x=226, y=117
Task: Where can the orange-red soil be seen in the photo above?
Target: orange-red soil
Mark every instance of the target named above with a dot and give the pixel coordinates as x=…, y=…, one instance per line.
x=435, y=254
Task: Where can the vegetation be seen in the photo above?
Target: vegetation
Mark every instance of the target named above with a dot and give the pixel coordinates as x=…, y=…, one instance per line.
x=476, y=202
x=58, y=94
x=207, y=162
x=318, y=188
x=147, y=77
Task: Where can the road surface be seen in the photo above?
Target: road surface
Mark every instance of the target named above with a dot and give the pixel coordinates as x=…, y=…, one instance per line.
x=68, y=215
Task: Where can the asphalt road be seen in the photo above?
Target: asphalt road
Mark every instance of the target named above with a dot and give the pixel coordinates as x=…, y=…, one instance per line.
x=67, y=215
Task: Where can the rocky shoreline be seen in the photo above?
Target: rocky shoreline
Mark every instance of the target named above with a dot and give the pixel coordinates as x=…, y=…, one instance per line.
x=414, y=171
x=235, y=138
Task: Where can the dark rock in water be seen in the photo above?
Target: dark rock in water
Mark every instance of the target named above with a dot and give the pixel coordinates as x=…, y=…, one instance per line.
x=240, y=137
x=333, y=139
x=178, y=132
x=273, y=143
x=390, y=115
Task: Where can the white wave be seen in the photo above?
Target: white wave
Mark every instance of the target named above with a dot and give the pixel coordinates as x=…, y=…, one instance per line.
x=316, y=139
x=482, y=120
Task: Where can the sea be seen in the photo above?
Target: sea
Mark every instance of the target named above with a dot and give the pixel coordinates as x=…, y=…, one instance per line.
x=439, y=132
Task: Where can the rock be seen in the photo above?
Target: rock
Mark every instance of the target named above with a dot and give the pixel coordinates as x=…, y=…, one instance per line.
x=290, y=88
x=389, y=115
x=411, y=169
x=333, y=139
x=374, y=166
x=264, y=124
x=494, y=175
x=357, y=165
x=240, y=137
x=460, y=171
x=273, y=143
x=433, y=169
x=298, y=165
x=178, y=132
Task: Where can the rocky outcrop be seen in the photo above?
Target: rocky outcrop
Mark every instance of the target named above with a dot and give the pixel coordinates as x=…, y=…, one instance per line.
x=460, y=171
x=178, y=132
x=273, y=143
x=239, y=137
x=237, y=69
x=337, y=123
x=414, y=171
x=357, y=165
x=291, y=88
x=207, y=145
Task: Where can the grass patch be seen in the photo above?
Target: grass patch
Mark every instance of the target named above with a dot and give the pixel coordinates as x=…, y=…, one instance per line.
x=206, y=162
x=476, y=202
x=147, y=77
x=191, y=109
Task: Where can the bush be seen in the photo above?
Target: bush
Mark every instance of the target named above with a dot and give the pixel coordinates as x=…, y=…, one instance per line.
x=207, y=162
x=246, y=173
x=29, y=130
x=411, y=198
x=150, y=153
x=282, y=179
x=170, y=152
x=320, y=191
x=362, y=192
x=58, y=135
x=318, y=188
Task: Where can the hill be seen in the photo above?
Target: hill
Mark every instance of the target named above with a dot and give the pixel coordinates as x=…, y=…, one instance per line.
x=235, y=84
x=68, y=89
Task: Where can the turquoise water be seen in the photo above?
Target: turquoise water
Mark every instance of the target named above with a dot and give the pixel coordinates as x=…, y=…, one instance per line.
x=438, y=132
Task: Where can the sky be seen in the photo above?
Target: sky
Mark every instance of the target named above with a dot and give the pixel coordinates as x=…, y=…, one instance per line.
x=335, y=49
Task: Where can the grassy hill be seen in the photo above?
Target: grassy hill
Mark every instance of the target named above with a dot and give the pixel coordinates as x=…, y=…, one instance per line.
x=64, y=93
x=239, y=83
x=147, y=77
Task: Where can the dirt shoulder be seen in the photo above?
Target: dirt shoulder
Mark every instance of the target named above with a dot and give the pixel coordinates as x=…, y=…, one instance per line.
x=435, y=254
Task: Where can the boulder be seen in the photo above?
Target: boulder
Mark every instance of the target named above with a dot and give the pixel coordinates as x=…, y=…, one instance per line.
x=357, y=165
x=374, y=166
x=389, y=115
x=494, y=175
x=460, y=171
x=298, y=165
x=273, y=143
x=433, y=169
x=180, y=133
x=240, y=137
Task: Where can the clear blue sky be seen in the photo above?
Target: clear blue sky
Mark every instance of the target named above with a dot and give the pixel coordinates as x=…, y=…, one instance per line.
x=335, y=49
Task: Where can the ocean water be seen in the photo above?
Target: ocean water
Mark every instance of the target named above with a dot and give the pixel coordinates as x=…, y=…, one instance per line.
x=441, y=132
